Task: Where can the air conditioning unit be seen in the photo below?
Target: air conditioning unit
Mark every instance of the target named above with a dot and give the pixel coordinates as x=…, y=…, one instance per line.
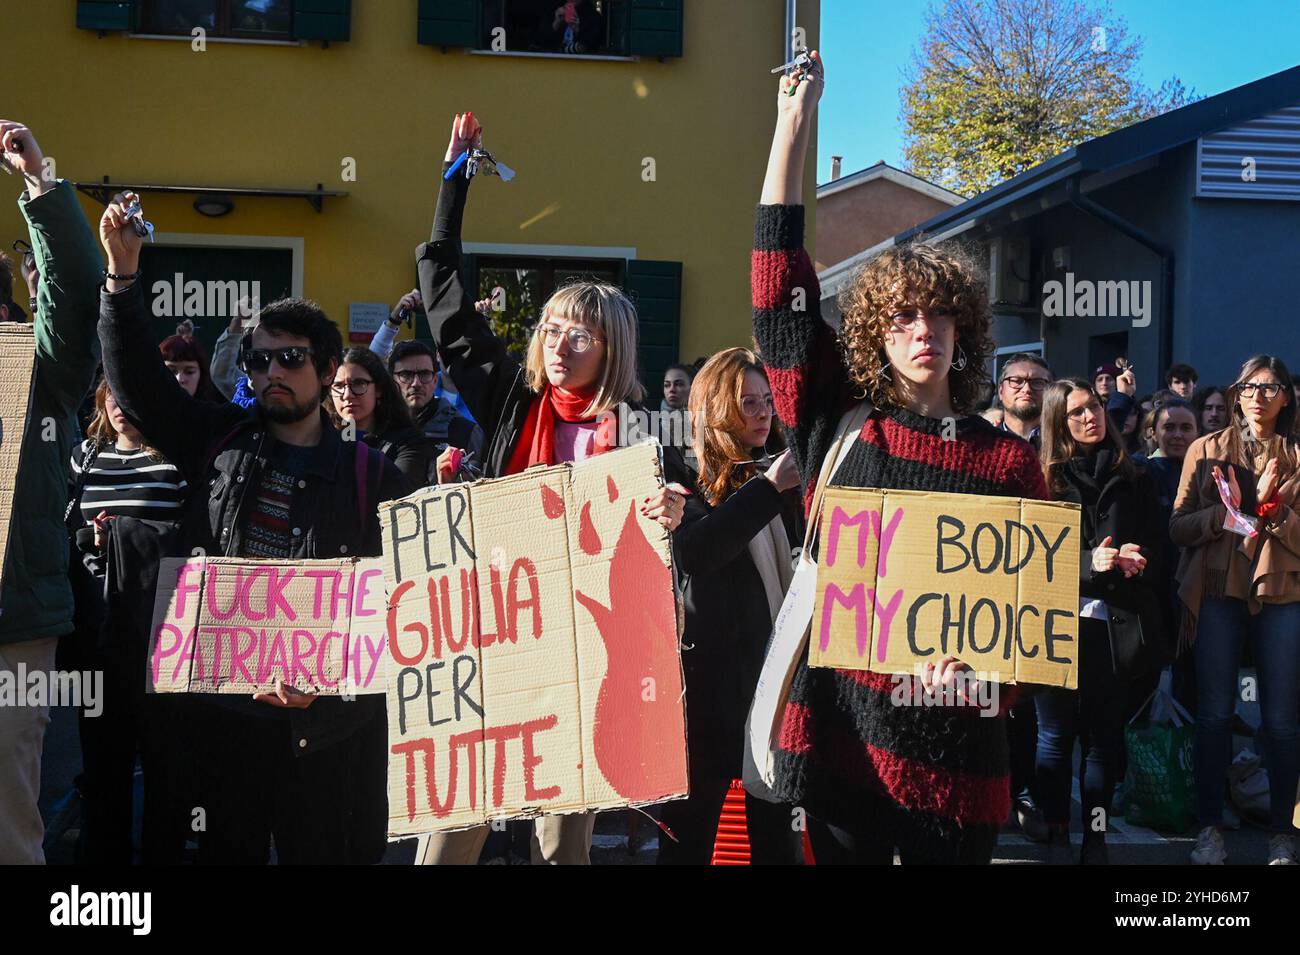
x=1008, y=271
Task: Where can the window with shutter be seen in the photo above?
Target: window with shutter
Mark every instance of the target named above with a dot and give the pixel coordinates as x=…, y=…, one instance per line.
x=241, y=19
x=106, y=15
x=655, y=28
x=656, y=290
x=327, y=20
x=450, y=23
x=597, y=28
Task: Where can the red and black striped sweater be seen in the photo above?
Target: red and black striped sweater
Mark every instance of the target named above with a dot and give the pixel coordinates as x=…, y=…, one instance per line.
x=932, y=781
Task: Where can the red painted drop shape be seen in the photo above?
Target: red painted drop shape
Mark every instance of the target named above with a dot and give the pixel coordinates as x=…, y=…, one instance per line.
x=552, y=503
x=612, y=488
x=588, y=538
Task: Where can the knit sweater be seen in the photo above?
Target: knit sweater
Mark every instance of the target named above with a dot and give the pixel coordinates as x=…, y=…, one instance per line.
x=932, y=781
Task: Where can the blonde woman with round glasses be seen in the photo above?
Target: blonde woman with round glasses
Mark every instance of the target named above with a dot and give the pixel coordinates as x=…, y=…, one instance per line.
x=578, y=380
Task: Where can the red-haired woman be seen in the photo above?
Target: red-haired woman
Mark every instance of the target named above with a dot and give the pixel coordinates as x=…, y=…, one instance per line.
x=733, y=551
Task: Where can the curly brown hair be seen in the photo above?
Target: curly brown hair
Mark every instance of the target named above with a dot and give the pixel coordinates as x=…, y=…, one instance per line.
x=939, y=280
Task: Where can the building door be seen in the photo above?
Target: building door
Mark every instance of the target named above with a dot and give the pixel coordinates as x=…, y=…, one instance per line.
x=1104, y=349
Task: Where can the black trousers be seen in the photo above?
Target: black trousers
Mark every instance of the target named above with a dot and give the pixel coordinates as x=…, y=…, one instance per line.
x=836, y=845
x=775, y=835
x=259, y=790
x=1022, y=745
x=132, y=724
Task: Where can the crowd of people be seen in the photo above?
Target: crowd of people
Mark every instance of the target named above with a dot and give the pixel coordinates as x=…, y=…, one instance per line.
x=283, y=444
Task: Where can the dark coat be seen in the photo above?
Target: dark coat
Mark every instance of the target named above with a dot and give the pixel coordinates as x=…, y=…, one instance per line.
x=222, y=449
x=727, y=617
x=412, y=451
x=1127, y=512
x=1165, y=474
x=448, y=427
x=36, y=598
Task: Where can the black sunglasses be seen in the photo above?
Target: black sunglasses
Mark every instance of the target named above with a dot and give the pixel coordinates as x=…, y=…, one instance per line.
x=291, y=358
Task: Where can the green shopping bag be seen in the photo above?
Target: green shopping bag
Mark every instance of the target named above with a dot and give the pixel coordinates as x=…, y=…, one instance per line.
x=1159, y=787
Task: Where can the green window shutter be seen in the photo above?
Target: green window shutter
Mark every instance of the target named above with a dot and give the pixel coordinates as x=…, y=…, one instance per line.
x=328, y=20
x=450, y=23
x=656, y=28
x=103, y=15
x=656, y=290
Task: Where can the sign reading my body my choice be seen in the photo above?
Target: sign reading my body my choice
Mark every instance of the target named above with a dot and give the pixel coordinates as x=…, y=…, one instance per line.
x=906, y=577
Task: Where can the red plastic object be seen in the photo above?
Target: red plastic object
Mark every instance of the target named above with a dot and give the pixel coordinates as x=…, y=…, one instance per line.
x=731, y=847
x=732, y=844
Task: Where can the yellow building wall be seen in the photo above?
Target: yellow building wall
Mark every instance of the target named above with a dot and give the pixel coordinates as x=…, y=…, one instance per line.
x=244, y=115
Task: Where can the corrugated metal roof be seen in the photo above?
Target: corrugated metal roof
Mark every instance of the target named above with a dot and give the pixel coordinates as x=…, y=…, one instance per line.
x=1259, y=159
x=1237, y=107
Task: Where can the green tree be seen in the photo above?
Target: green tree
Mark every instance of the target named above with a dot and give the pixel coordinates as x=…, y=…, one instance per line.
x=520, y=303
x=998, y=86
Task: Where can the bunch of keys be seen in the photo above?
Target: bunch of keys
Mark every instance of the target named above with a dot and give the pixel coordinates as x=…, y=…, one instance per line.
x=477, y=160
x=138, y=222
x=480, y=160
x=803, y=65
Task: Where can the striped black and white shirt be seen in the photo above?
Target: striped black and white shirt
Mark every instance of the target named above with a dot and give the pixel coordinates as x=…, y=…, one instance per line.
x=129, y=484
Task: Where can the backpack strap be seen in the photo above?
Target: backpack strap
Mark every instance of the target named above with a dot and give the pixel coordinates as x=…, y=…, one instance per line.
x=74, y=498
x=369, y=465
x=221, y=445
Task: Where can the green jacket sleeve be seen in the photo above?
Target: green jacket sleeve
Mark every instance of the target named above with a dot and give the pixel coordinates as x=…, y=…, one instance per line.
x=67, y=301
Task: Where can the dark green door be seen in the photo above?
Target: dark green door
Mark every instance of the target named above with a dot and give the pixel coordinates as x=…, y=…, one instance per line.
x=169, y=274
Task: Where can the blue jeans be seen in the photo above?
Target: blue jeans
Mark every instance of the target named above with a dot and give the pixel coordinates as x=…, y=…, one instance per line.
x=1094, y=714
x=1275, y=632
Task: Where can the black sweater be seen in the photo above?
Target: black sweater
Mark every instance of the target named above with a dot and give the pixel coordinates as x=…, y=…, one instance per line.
x=727, y=619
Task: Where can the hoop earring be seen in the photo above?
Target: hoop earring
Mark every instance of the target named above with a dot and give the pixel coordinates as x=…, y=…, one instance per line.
x=960, y=363
x=884, y=372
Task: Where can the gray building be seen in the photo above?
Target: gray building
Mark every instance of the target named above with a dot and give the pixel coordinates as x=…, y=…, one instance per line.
x=1172, y=240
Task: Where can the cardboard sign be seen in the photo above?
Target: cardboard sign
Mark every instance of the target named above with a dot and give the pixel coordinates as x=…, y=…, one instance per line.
x=18, y=359
x=223, y=625
x=533, y=647
x=907, y=576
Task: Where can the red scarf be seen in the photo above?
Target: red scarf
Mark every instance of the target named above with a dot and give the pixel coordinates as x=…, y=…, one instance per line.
x=536, y=444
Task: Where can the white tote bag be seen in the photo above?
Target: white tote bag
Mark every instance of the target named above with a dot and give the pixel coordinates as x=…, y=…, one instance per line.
x=790, y=629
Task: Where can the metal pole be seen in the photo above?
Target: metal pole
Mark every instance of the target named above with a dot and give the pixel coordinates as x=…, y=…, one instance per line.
x=790, y=13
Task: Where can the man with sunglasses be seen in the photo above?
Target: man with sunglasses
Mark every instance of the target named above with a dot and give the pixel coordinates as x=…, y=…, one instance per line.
x=281, y=483
x=1020, y=393
x=37, y=598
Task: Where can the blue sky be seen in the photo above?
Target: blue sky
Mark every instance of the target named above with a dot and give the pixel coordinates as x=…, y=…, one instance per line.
x=1211, y=45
